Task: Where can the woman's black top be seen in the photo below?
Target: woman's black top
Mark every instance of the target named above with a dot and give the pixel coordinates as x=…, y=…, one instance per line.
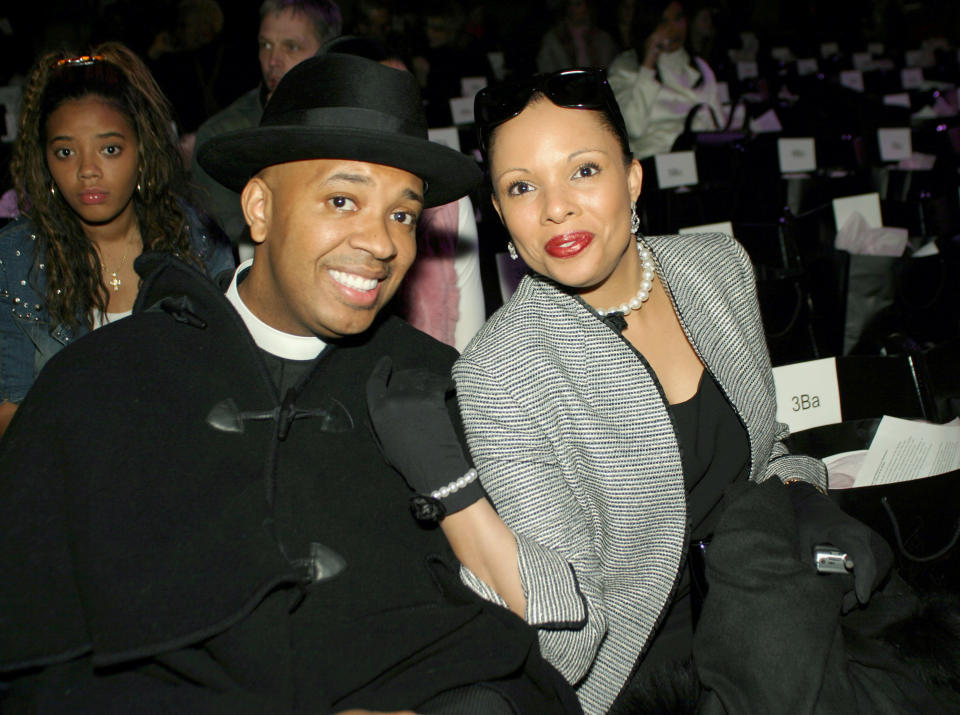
x=714, y=451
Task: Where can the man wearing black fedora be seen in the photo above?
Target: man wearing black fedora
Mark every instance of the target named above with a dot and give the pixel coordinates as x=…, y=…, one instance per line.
x=196, y=515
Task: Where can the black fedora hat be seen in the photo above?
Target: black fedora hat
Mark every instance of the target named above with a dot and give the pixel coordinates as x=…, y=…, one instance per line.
x=338, y=106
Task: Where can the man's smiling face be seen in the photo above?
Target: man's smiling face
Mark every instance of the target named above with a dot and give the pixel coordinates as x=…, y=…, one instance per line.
x=335, y=239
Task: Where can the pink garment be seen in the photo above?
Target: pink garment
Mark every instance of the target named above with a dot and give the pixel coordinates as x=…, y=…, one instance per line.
x=8, y=205
x=430, y=294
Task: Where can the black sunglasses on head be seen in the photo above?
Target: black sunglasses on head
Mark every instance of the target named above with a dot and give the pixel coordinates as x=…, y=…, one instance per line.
x=585, y=88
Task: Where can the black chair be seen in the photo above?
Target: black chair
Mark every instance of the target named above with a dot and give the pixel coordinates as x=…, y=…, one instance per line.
x=873, y=385
x=940, y=376
x=782, y=289
x=920, y=518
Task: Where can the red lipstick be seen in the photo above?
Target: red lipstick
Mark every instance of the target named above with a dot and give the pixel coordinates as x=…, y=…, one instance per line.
x=568, y=244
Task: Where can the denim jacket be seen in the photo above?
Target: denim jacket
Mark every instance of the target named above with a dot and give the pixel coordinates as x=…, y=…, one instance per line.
x=28, y=338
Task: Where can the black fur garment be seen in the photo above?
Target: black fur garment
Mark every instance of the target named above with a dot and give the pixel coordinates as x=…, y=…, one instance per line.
x=771, y=637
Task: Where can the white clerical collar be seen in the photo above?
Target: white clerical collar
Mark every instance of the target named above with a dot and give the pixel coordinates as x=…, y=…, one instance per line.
x=276, y=342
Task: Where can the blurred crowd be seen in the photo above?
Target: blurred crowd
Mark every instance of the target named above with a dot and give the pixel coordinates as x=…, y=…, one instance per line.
x=200, y=50
x=217, y=64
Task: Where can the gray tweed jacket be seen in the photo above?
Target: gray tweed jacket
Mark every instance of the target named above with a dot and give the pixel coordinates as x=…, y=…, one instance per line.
x=569, y=430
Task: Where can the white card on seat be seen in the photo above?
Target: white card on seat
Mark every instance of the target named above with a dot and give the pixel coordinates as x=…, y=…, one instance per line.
x=498, y=63
x=719, y=227
x=895, y=143
x=469, y=86
x=868, y=205
x=900, y=99
x=461, y=109
x=797, y=155
x=852, y=79
x=448, y=136
x=807, y=66
x=829, y=49
x=781, y=54
x=808, y=394
x=911, y=77
x=919, y=58
x=678, y=168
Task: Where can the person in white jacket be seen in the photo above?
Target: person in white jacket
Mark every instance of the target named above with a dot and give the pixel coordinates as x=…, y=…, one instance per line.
x=658, y=81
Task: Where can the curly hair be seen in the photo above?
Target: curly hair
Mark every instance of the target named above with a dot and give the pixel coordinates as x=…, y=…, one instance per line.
x=73, y=269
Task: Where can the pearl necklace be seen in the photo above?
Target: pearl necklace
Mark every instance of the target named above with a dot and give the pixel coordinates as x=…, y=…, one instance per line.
x=646, y=284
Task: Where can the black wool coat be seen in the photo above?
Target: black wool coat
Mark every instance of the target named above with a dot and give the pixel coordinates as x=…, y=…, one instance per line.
x=150, y=557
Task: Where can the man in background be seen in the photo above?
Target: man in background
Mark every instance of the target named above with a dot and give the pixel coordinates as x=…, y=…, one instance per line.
x=290, y=32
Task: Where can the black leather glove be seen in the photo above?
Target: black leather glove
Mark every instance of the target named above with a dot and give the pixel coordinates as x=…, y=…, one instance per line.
x=410, y=420
x=820, y=521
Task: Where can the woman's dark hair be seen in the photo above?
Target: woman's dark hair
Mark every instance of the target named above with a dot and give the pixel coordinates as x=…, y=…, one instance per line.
x=606, y=119
x=646, y=17
x=74, y=284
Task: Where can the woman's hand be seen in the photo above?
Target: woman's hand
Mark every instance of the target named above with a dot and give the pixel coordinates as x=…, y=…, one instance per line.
x=409, y=415
x=656, y=44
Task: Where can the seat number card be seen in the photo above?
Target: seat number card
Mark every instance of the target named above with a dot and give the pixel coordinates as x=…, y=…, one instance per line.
x=678, y=168
x=808, y=394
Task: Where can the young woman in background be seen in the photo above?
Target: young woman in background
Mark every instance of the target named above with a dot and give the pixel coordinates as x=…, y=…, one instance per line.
x=99, y=181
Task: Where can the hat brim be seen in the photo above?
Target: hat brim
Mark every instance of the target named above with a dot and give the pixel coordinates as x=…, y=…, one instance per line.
x=233, y=158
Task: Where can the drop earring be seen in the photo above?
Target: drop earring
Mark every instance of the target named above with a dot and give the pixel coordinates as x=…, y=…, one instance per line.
x=53, y=189
x=512, y=250
x=634, y=221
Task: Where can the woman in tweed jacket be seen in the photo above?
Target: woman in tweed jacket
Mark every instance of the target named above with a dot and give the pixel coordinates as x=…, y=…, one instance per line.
x=568, y=405
x=571, y=435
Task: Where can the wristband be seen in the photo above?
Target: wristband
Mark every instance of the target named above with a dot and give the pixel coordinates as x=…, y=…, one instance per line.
x=455, y=486
x=435, y=505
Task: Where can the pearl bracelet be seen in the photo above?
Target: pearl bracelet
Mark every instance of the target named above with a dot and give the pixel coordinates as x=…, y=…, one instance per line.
x=456, y=485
